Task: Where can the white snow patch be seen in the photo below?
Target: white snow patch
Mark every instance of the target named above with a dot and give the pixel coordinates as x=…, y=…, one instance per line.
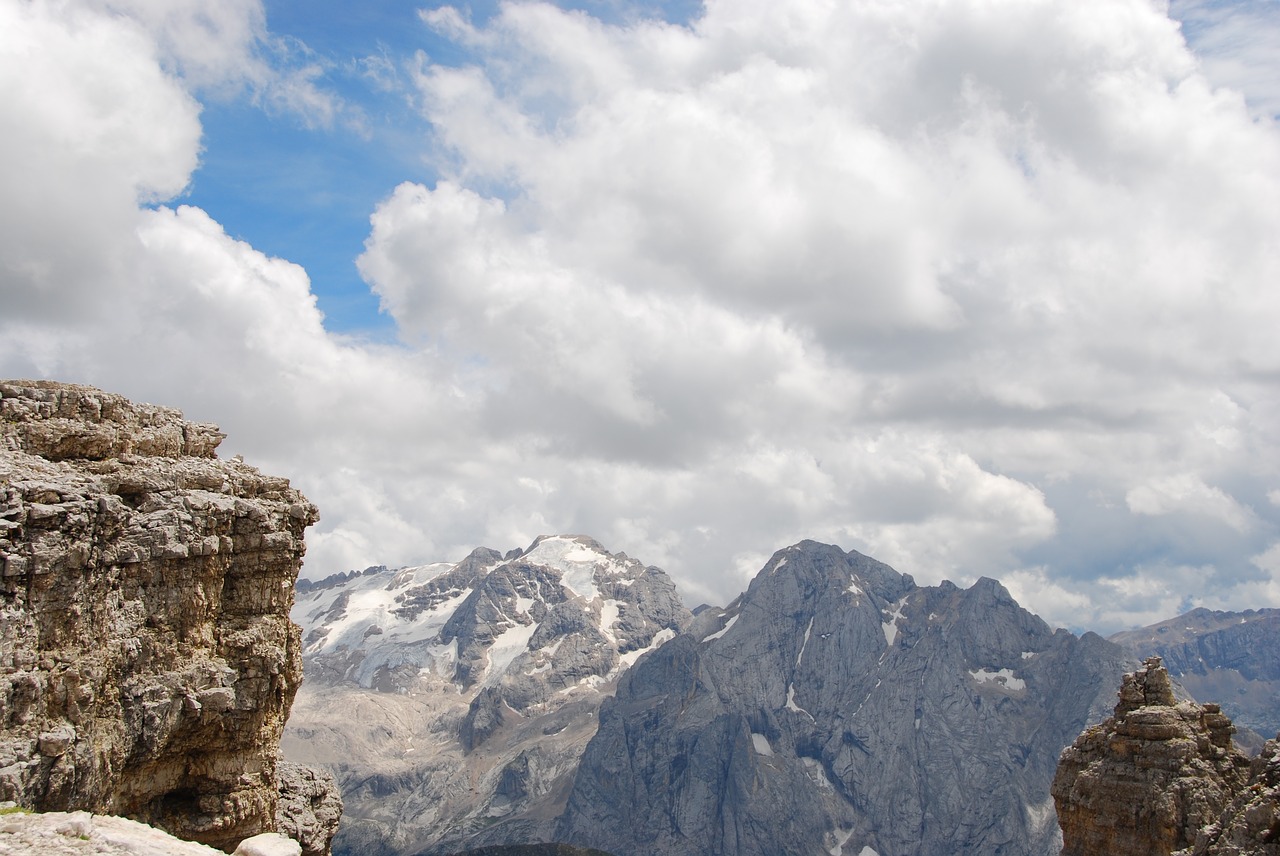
x=628, y=659
x=805, y=643
x=890, y=625
x=761, y=743
x=1004, y=678
x=511, y=643
x=1027, y=655
x=778, y=566
x=867, y=851
x=842, y=838
x=523, y=604
x=609, y=612
x=723, y=630
x=791, y=702
x=854, y=589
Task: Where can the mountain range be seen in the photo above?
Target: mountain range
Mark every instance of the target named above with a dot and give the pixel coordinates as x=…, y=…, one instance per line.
x=562, y=693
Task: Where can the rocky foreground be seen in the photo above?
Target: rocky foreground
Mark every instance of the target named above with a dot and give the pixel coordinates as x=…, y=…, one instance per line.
x=1161, y=776
x=147, y=660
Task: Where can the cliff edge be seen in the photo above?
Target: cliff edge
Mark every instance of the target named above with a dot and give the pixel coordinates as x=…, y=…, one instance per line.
x=147, y=660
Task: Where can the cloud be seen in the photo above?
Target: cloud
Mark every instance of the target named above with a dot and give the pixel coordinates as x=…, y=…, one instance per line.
x=977, y=288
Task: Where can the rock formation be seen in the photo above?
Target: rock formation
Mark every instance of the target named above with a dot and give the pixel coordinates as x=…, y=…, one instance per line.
x=1250, y=825
x=838, y=707
x=1231, y=657
x=1150, y=777
x=453, y=701
x=147, y=660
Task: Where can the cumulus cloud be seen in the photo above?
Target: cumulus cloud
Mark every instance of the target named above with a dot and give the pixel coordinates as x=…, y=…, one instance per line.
x=977, y=288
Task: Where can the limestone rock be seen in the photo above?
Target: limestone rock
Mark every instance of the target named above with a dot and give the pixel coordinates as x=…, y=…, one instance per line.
x=310, y=806
x=838, y=707
x=1151, y=776
x=1250, y=825
x=147, y=660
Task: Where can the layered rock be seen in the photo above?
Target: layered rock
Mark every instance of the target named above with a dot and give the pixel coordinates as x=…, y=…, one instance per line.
x=1233, y=657
x=1149, y=778
x=453, y=701
x=147, y=660
x=838, y=707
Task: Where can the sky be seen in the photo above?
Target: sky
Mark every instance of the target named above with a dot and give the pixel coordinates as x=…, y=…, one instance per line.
x=977, y=287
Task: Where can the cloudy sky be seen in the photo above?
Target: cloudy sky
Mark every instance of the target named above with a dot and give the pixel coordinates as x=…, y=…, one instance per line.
x=978, y=287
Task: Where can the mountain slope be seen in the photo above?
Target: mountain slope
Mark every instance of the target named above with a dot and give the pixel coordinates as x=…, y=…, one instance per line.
x=837, y=707
x=1232, y=658
x=452, y=701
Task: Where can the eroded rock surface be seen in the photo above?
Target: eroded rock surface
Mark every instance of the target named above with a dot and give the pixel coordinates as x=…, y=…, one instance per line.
x=147, y=660
x=1149, y=778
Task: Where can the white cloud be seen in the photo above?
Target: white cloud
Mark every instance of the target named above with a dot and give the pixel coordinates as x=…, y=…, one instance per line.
x=1187, y=493
x=940, y=282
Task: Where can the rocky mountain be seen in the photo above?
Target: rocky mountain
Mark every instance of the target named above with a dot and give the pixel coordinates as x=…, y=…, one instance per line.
x=147, y=661
x=453, y=701
x=837, y=707
x=1160, y=777
x=1232, y=658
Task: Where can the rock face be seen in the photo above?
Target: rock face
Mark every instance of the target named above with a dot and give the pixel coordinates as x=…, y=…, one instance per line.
x=453, y=701
x=1250, y=825
x=1150, y=777
x=147, y=661
x=838, y=707
x=1232, y=657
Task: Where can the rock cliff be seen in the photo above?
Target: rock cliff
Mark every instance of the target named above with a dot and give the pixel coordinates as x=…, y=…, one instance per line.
x=838, y=707
x=1151, y=777
x=147, y=660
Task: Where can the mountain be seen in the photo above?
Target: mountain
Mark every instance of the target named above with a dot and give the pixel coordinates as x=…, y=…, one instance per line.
x=453, y=701
x=838, y=707
x=1232, y=658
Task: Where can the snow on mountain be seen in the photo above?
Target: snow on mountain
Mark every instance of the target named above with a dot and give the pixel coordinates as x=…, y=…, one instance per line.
x=452, y=701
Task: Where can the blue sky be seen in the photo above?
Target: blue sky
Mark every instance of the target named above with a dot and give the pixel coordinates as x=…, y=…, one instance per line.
x=978, y=288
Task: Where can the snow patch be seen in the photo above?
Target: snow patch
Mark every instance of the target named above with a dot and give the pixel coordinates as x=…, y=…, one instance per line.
x=842, y=838
x=791, y=702
x=805, y=643
x=610, y=610
x=854, y=589
x=761, y=743
x=511, y=643
x=890, y=625
x=523, y=604
x=1027, y=655
x=628, y=659
x=723, y=630
x=1004, y=679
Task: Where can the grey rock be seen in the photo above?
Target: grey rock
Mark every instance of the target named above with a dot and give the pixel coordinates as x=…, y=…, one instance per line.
x=837, y=706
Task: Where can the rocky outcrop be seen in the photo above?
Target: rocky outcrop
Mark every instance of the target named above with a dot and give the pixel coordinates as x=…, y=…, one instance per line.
x=1233, y=657
x=147, y=660
x=1149, y=778
x=453, y=701
x=1250, y=825
x=838, y=707
x=310, y=807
